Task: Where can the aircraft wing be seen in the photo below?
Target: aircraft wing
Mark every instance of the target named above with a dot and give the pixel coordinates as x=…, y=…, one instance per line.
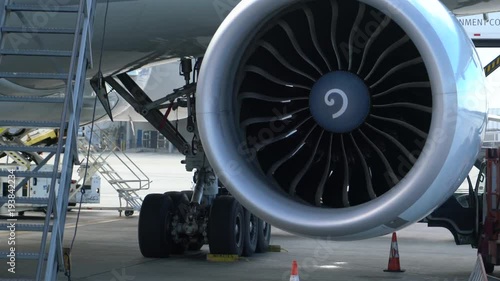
x=472, y=7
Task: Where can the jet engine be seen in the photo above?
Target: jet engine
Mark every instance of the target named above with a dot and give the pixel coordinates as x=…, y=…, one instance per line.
x=345, y=119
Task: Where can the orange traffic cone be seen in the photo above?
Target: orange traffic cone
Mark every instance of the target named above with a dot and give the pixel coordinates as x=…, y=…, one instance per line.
x=294, y=276
x=394, y=265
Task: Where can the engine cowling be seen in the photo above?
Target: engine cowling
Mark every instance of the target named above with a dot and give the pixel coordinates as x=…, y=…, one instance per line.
x=340, y=118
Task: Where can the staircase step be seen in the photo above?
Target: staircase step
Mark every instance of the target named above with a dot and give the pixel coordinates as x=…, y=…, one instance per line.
x=27, y=200
x=31, y=99
x=21, y=256
x=25, y=226
x=122, y=181
x=108, y=172
x=31, y=75
x=36, y=8
x=22, y=29
x=128, y=189
x=20, y=174
x=44, y=53
x=29, y=124
x=28, y=148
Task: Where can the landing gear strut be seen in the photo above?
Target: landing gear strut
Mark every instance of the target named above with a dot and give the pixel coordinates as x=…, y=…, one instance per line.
x=173, y=222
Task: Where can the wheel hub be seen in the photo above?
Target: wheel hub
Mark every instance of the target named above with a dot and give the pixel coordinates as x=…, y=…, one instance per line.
x=237, y=231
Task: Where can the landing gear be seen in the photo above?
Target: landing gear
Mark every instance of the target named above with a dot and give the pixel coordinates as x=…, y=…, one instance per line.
x=251, y=234
x=226, y=226
x=155, y=240
x=172, y=222
x=263, y=237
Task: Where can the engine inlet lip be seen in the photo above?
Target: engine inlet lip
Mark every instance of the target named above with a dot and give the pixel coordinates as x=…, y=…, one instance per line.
x=218, y=131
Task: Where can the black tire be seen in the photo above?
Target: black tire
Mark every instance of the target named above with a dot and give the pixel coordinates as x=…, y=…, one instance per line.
x=263, y=237
x=251, y=233
x=489, y=267
x=129, y=213
x=226, y=227
x=181, y=205
x=176, y=195
x=155, y=240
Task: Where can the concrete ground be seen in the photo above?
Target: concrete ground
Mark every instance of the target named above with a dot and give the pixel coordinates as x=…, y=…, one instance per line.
x=106, y=248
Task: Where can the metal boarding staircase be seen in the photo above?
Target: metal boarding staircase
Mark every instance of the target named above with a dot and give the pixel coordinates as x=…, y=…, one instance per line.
x=98, y=161
x=50, y=255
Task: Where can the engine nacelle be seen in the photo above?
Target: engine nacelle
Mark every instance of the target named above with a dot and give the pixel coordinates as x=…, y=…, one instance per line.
x=341, y=118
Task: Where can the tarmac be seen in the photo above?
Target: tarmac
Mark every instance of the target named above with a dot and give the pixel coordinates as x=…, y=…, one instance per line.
x=106, y=248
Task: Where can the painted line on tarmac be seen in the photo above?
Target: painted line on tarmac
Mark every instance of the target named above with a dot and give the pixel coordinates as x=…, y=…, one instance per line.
x=93, y=223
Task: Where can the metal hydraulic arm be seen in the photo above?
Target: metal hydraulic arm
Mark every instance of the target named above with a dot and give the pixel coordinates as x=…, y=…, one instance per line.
x=140, y=101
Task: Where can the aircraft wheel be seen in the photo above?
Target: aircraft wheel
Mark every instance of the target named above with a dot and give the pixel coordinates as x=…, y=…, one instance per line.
x=226, y=226
x=175, y=195
x=251, y=233
x=263, y=237
x=155, y=240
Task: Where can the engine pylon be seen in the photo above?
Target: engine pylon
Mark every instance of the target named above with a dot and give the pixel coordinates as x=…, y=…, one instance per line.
x=394, y=265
